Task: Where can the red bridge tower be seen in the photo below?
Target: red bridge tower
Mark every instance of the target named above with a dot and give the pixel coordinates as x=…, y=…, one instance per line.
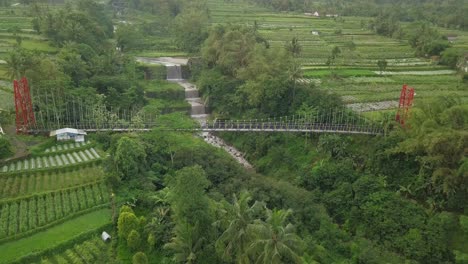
x=23, y=104
x=406, y=101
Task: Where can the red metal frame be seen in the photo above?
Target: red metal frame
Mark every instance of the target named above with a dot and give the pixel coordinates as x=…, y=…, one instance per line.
x=406, y=101
x=24, y=110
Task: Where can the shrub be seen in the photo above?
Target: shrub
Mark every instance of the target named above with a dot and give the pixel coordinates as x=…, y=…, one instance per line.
x=5, y=148
x=139, y=258
x=133, y=240
x=127, y=221
x=465, y=77
x=464, y=223
x=126, y=209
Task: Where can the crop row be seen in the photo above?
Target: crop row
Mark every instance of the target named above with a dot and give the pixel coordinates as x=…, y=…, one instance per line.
x=27, y=214
x=90, y=251
x=62, y=147
x=28, y=183
x=52, y=161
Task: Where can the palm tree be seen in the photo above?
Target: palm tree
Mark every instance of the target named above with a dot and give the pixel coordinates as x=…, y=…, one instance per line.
x=235, y=239
x=276, y=242
x=18, y=62
x=186, y=244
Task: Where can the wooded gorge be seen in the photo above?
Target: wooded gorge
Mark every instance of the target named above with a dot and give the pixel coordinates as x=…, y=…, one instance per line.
x=166, y=196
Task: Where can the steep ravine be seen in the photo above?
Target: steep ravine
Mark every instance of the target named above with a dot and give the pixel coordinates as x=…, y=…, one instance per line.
x=198, y=109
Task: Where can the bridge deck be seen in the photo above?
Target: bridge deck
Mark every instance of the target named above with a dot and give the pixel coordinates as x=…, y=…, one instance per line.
x=236, y=126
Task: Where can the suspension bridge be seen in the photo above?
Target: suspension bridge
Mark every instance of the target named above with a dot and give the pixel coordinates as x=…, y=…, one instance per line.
x=54, y=112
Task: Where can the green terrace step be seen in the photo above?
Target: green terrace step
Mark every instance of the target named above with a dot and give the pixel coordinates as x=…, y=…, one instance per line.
x=89, y=251
x=23, y=184
x=66, y=234
x=63, y=147
x=51, y=161
x=24, y=216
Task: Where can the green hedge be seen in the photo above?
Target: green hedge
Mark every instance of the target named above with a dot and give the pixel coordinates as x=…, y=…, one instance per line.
x=168, y=94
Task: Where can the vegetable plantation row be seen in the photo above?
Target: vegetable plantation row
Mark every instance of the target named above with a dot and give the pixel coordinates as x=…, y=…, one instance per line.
x=22, y=215
x=24, y=184
x=52, y=161
x=87, y=252
x=62, y=147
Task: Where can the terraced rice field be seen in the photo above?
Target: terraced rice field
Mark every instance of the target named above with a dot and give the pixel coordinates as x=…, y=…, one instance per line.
x=18, y=18
x=90, y=251
x=60, y=186
x=66, y=146
x=26, y=214
x=52, y=161
x=359, y=79
x=29, y=183
x=54, y=236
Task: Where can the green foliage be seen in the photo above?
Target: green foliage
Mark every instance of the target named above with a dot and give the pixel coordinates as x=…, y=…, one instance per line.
x=426, y=40
x=334, y=145
x=293, y=47
x=451, y=57
x=134, y=240
x=189, y=29
x=464, y=224
x=186, y=244
x=125, y=209
x=126, y=223
x=382, y=64
x=188, y=198
x=275, y=239
x=438, y=139
x=235, y=240
x=139, y=258
x=128, y=38
x=5, y=148
x=228, y=48
x=129, y=158
x=19, y=61
x=386, y=24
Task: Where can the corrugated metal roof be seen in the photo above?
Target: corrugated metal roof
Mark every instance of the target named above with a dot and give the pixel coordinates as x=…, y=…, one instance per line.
x=67, y=130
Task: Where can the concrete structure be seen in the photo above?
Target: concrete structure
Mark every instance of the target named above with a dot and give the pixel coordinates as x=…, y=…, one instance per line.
x=316, y=14
x=69, y=134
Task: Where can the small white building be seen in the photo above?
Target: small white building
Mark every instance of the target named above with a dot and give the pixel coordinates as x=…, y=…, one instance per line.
x=316, y=14
x=315, y=32
x=69, y=134
x=105, y=236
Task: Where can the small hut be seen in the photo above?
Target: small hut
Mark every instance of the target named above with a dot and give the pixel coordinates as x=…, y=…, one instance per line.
x=69, y=134
x=105, y=236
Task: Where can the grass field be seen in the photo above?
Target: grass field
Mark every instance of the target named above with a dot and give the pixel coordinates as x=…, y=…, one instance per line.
x=53, y=236
x=356, y=75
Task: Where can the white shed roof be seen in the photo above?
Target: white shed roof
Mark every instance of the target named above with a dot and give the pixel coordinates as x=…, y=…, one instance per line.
x=67, y=130
x=105, y=236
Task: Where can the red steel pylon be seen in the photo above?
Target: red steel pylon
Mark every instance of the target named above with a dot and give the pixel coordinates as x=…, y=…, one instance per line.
x=406, y=101
x=23, y=104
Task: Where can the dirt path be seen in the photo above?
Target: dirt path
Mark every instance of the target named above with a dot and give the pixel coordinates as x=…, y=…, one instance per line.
x=19, y=147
